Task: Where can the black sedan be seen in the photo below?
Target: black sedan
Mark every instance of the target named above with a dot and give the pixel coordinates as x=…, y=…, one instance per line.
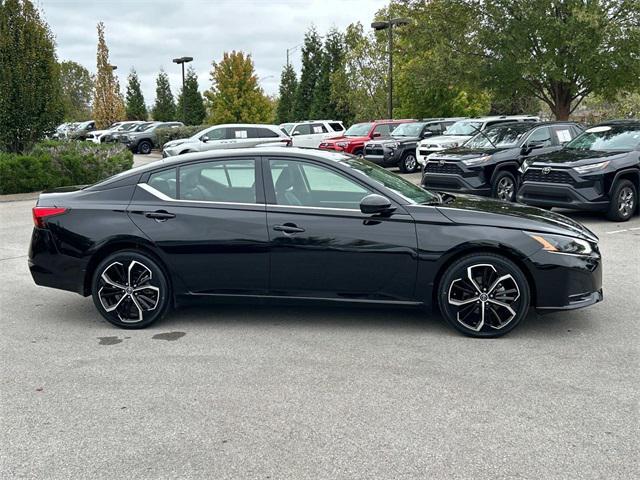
x=296, y=224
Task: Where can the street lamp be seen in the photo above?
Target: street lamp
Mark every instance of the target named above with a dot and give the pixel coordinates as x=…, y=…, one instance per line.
x=113, y=67
x=182, y=61
x=388, y=24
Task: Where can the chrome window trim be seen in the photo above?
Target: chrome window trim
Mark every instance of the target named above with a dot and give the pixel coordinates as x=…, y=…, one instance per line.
x=166, y=198
x=314, y=208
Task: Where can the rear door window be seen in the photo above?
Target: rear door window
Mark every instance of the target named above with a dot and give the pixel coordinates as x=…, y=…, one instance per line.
x=336, y=127
x=318, y=128
x=265, y=133
x=164, y=182
x=231, y=181
x=564, y=133
x=240, y=133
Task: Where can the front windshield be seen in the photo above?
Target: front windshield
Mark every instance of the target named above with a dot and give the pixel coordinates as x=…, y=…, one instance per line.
x=617, y=138
x=126, y=127
x=286, y=127
x=408, y=130
x=463, y=128
x=143, y=126
x=504, y=136
x=407, y=190
x=358, y=130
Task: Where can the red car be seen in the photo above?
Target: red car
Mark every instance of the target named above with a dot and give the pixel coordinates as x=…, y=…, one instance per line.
x=353, y=139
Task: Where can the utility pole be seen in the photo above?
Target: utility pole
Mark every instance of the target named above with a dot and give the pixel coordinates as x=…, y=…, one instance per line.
x=388, y=24
x=181, y=61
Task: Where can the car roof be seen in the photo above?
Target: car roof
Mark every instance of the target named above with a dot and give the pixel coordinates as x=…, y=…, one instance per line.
x=313, y=121
x=631, y=122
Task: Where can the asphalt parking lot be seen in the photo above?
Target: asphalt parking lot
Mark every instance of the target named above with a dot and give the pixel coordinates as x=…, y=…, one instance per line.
x=254, y=391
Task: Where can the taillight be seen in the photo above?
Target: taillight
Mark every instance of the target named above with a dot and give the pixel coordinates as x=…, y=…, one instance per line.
x=41, y=213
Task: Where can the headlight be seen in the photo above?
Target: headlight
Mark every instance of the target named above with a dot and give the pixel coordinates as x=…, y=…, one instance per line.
x=477, y=161
x=342, y=144
x=591, y=168
x=562, y=244
x=393, y=145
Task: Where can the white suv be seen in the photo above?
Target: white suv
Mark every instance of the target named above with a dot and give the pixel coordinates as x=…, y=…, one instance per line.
x=461, y=131
x=237, y=135
x=311, y=133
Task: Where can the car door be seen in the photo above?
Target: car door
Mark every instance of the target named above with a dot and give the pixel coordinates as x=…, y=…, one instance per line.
x=265, y=135
x=301, y=135
x=239, y=137
x=322, y=245
x=208, y=219
x=538, y=142
x=213, y=139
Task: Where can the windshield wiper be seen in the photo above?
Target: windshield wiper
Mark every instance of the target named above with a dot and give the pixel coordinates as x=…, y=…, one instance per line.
x=484, y=135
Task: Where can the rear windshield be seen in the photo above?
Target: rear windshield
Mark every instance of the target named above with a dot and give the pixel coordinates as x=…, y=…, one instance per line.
x=608, y=138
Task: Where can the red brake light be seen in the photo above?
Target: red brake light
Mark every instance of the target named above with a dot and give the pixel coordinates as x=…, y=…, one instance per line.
x=41, y=213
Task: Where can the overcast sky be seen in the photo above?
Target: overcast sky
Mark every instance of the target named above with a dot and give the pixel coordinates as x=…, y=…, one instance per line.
x=147, y=34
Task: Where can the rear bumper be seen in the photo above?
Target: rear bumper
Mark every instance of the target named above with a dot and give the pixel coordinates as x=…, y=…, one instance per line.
x=541, y=194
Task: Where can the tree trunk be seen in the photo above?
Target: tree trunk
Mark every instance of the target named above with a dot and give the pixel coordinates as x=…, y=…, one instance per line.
x=561, y=95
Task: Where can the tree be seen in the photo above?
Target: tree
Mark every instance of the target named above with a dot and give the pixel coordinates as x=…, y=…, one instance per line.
x=560, y=51
x=190, y=102
x=311, y=60
x=286, y=103
x=331, y=60
x=165, y=108
x=108, y=106
x=30, y=93
x=235, y=95
x=77, y=91
x=136, y=108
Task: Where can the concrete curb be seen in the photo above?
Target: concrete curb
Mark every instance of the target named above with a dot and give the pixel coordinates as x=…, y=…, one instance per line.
x=19, y=197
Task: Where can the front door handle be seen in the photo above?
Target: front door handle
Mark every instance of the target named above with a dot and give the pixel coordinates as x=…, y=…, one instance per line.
x=288, y=228
x=160, y=215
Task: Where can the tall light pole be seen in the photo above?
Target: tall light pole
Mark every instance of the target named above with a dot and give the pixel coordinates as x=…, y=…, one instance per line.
x=388, y=24
x=182, y=61
x=292, y=49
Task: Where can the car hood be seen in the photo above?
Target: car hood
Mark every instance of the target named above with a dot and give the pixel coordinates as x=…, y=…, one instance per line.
x=401, y=140
x=574, y=158
x=445, y=140
x=462, y=153
x=474, y=210
x=178, y=141
x=345, y=139
x=99, y=132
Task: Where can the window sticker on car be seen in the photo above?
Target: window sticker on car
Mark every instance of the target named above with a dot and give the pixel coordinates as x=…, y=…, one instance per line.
x=317, y=129
x=241, y=134
x=563, y=135
x=603, y=128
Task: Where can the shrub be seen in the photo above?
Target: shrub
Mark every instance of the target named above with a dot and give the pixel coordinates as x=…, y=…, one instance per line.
x=167, y=134
x=53, y=164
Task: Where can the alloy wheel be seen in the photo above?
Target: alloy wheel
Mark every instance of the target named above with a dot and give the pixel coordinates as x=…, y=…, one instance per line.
x=506, y=189
x=410, y=163
x=484, y=298
x=626, y=202
x=126, y=291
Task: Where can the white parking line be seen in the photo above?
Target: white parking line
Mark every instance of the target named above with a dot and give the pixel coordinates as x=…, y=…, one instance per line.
x=617, y=231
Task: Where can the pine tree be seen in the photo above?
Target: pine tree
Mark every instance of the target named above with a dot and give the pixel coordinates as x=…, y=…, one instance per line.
x=108, y=106
x=286, y=103
x=235, y=95
x=165, y=108
x=332, y=62
x=136, y=109
x=190, y=102
x=30, y=93
x=311, y=59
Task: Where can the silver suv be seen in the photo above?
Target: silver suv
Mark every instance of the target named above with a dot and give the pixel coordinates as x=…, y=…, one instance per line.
x=236, y=135
x=461, y=131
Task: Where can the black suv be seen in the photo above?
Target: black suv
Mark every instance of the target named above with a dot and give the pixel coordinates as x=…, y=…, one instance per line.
x=598, y=171
x=487, y=164
x=400, y=149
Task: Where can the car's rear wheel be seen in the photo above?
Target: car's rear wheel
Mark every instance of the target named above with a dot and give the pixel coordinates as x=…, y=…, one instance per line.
x=130, y=289
x=504, y=187
x=409, y=163
x=144, y=147
x=624, y=199
x=484, y=295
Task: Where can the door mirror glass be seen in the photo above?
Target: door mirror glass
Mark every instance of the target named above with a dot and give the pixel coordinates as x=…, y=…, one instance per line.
x=376, y=134
x=295, y=133
x=427, y=133
x=374, y=203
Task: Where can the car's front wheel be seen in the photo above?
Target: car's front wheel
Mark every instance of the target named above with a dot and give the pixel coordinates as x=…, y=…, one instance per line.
x=623, y=201
x=409, y=163
x=504, y=187
x=484, y=295
x=144, y=147
x=130, y=289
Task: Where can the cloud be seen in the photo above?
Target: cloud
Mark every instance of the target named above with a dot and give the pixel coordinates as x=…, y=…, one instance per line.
x=147, y=34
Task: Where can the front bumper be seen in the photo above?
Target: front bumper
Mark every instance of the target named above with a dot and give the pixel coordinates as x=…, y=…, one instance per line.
x=455, y=177
x=563, y=188
x=383, y=156
x=565, y=282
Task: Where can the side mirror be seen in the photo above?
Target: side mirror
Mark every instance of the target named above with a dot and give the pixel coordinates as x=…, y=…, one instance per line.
x=204, y=139
x=528, y=147
x=427, y=133
x=295, y=133
x=375, y=204
x=376, y=134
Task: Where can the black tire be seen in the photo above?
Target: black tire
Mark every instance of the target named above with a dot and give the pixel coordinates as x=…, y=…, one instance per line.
x=624, y=201
x=485, y=268
x=408, y=163
x=504, y=186
x=130, y=277
x=144, y=147
x=359, y=153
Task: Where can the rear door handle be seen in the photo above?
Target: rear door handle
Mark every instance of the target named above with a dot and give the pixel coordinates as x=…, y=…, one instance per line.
x=160, y=215
x=288, y=228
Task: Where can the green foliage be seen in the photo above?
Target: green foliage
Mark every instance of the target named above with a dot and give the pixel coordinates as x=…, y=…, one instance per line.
x=332, y=61
x=191, y=110
x=77, y=91
x=135, y=106
x=311, y=64
x=164, y=109
x=286, y=102
x=53, y=164
x=165, y=135
x=30, y=94
x=108, y=105
x=235, y=95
